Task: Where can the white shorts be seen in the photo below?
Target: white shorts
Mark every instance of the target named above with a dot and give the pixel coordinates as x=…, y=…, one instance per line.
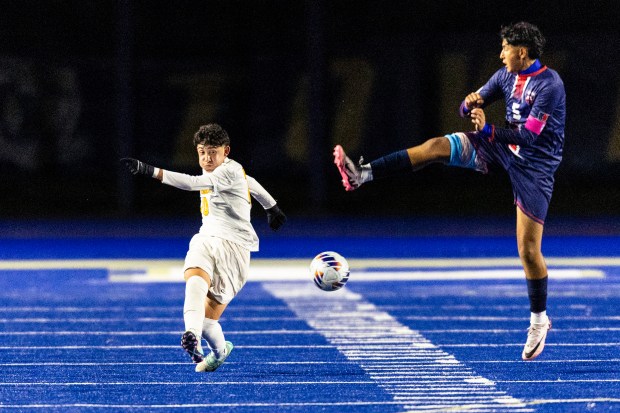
x=226, y=262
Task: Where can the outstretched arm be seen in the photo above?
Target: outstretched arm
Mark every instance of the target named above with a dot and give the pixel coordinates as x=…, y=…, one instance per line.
x=176, y=179
x=275, y=216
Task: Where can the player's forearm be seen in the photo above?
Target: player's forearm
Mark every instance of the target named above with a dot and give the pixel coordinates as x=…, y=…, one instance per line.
x=522, y=136
x=260, y=194
x=185, y=181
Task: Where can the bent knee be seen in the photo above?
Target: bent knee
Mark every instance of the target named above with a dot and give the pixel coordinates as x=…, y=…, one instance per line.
x=196, y=272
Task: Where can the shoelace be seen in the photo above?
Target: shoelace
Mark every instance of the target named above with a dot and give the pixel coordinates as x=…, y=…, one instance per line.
x=535, y=330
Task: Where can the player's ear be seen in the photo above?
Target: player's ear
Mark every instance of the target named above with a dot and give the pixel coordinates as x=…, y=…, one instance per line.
x=226, y=150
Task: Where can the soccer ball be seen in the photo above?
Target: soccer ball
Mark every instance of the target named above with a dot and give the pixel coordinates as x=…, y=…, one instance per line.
x=330, y=271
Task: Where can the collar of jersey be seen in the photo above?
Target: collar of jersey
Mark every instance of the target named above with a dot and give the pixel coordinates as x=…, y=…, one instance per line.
x=533, y=70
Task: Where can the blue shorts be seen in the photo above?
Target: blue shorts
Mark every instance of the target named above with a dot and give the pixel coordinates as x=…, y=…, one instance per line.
x=531, y=187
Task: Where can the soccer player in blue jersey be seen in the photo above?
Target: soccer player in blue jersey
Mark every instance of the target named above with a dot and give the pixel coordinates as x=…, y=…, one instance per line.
x=528, y=148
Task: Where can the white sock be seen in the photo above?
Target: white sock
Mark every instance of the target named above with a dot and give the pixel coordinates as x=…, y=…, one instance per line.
x=196, y=289
x=538, y=318
x=212, y=332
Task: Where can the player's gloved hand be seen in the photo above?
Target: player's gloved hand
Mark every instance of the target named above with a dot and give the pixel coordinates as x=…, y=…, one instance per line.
x=275, y=217
x=138, y=167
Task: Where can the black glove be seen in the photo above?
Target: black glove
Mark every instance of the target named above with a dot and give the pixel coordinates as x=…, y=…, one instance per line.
x=275, y=217
x=138, y=167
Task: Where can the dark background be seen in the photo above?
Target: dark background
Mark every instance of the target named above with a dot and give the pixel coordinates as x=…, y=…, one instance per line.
x=83, y=83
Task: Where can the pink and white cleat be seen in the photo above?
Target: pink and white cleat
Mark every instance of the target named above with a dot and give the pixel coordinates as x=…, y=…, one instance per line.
x=348, y=170
x=536, y=336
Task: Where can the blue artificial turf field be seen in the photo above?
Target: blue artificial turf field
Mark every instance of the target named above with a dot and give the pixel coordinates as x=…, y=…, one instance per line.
x=71, y=339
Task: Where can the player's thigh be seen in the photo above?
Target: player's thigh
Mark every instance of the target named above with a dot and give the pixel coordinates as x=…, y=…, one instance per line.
x=199, y=260
x=230, y=273
x=529, y=232
x=529, y=242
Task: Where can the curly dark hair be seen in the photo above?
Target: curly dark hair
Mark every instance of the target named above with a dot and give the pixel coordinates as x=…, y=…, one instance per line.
x=526, y=35
x=212, y=135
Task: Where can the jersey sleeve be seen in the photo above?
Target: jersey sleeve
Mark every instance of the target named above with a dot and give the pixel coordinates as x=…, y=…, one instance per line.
x=544, y=106
x=260, y=194
x=187, y=182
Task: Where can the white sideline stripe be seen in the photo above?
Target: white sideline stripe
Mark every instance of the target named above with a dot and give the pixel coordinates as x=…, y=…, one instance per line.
x=293, y=273
x=156, y=347
x=562, y=381
x=181, y=383
x=301, y=274
x=164, y=363
x=458, y=408
x=240, y=308
x=295, y=269
x=354, y=263
x=352, y=345
x=493, y=318
x=385, y=365
x=616, y=344
x=546, y=361
x=316, y=308
x=293, y=332
x=427, y=384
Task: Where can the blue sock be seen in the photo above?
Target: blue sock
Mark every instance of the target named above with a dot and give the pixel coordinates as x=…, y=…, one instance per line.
x=537, y=293
x=391, y=164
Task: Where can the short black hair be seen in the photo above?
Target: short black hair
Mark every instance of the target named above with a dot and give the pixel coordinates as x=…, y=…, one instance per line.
x=524, y=34
x=211, y=135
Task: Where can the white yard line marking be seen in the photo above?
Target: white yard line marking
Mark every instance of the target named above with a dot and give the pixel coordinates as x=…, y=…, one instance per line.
x=355, y=338
x=162, y=346
x=357, y=263
x=166, y=363
x=387, y=364
x=183, y=383
x=457, y=408
x=241, y=308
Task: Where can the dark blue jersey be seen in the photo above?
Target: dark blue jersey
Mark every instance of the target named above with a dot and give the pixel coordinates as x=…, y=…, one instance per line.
x=535, y=114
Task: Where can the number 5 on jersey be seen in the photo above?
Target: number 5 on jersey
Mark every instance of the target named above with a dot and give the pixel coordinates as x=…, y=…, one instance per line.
x=204, y=202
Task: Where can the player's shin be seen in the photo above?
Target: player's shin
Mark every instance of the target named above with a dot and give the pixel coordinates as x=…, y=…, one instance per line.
x=392, y=164
x=196, y=289
x=537, y=293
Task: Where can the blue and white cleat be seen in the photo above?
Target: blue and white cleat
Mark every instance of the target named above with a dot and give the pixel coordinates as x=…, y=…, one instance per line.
x=191, y=344
x=210, y=363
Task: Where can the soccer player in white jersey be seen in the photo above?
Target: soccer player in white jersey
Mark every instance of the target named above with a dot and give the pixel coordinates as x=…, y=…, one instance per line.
x=217, y=262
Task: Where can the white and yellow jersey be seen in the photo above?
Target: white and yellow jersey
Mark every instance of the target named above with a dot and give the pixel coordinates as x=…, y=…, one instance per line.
x=225, y=202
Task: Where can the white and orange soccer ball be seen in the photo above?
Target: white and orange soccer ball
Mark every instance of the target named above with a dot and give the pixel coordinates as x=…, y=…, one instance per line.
x=330, y=271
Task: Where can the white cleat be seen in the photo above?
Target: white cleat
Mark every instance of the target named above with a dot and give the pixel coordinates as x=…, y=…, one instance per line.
x=536, y=336
x=210, y=363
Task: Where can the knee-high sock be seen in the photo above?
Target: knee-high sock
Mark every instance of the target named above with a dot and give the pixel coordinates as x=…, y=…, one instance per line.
x=196, y=290
x=537, y=293
x=212, y=332
x=392, y=164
